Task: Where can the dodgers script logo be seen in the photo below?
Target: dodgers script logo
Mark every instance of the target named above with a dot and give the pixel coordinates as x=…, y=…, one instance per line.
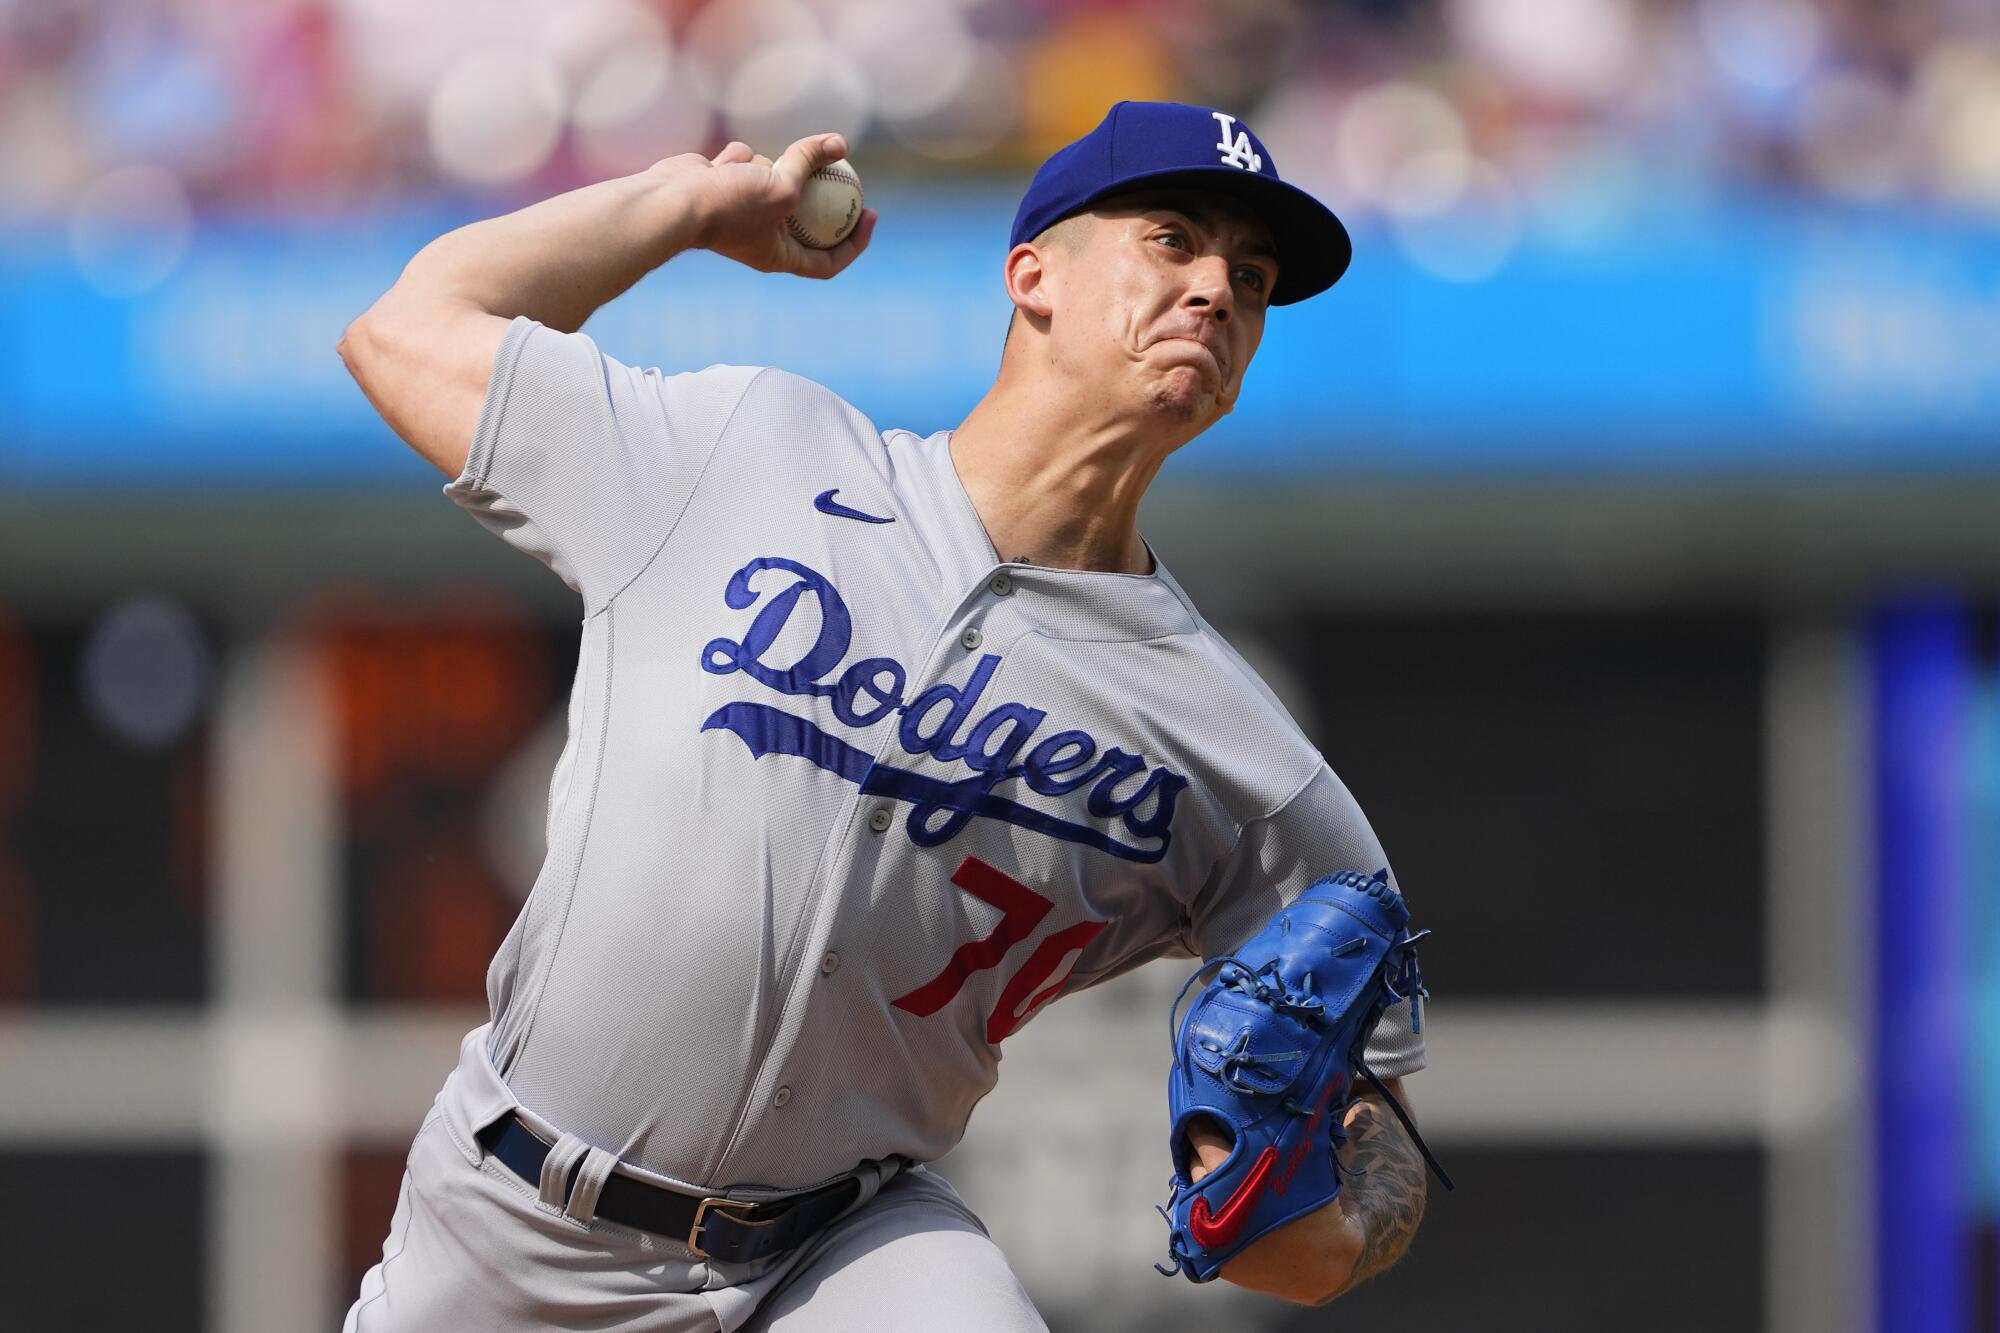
x=939, y=722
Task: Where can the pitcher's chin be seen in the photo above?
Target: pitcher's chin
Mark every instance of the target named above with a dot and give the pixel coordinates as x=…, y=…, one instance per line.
x=1184, y=393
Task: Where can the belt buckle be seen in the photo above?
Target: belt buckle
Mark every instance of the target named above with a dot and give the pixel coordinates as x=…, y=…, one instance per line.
x=701, y=1220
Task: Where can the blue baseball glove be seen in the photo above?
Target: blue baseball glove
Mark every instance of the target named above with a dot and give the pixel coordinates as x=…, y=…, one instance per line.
x=1270, y=1050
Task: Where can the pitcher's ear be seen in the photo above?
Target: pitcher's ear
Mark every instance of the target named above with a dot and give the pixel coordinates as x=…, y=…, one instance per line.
x=1029, y=282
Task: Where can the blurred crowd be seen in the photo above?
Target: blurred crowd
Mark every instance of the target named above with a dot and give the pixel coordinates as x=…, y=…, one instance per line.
x=1410, y=108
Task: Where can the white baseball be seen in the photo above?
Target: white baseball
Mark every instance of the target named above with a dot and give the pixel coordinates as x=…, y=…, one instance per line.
x=829, y=206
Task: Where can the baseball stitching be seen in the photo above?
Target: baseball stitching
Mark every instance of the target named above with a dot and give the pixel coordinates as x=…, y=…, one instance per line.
x=831, y=172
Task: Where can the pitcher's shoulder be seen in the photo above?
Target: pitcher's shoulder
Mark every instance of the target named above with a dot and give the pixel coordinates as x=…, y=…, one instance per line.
x=1265, y=716
x=1240, y=732
x=777, y=395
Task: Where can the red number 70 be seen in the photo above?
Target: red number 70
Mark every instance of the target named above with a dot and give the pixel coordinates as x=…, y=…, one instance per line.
x=1021, y=910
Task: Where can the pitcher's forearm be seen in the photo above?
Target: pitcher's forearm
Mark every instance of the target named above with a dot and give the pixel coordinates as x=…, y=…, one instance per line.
x=1384, y=1189
x=559, y=260
x=1330, y=1251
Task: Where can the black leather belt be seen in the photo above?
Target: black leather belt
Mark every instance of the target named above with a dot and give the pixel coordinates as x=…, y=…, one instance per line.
x=731, y=1230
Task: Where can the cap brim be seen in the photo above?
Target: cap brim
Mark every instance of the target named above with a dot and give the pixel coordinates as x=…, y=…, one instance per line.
x=1314, y=248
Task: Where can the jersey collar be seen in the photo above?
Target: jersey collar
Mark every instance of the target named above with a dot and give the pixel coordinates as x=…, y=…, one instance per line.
x=1070, y=604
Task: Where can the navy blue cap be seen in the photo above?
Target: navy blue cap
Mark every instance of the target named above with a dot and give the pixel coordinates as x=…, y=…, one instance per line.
x=1141, y=144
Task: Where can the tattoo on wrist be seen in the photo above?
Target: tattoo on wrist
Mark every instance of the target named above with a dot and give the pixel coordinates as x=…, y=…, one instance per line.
x=1384, y=1188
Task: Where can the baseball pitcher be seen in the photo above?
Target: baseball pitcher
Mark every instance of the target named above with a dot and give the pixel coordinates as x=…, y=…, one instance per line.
x=879, y=743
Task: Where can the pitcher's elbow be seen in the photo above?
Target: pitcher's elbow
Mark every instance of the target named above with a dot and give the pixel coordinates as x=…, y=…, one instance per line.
x=364, y=343
x=350, y=345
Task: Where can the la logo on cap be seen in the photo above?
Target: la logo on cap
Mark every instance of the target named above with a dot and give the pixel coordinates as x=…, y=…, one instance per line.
x=1238, y=153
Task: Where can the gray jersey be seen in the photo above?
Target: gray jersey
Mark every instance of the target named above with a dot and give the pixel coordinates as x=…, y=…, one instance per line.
x=847, y=797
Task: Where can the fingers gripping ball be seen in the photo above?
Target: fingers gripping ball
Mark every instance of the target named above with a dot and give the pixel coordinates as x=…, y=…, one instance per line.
x=829, y=206
x=1269, y=1051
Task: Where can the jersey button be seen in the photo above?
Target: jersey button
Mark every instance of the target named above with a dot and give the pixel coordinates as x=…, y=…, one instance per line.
x=1000, y=584
x=880, y=819
x=829, y=964
x=781, y=1096
x=972, y=638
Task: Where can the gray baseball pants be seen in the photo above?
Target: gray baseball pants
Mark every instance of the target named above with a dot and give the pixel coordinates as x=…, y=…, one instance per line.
x=473, y=1247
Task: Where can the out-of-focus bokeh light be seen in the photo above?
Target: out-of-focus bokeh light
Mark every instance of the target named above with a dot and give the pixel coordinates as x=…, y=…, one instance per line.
x=1957, y=104
x=1387, y=127
x=632, y=101
x=635, y=108
x=496, y=116
x=915, y=56
x=129, y=229
x=720, y=38
x=791, y=89
x=581, y=37
x=1468, y=222
x=1296, y=124
x=145, y=671
x=977, y=118
x=1766, y=45
x=1579, y=50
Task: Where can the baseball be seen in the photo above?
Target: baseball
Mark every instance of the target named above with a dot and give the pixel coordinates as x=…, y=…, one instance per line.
x=829, y=206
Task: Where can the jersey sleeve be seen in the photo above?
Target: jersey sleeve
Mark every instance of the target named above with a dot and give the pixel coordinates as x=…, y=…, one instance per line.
x=586, y=463
x=1318, y=831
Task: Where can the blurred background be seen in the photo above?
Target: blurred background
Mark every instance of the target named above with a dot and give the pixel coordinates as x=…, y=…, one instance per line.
x=1625, y=529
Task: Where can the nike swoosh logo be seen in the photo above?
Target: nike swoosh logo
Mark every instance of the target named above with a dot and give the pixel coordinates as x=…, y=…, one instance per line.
x=826, y=504
x=1217, y=1230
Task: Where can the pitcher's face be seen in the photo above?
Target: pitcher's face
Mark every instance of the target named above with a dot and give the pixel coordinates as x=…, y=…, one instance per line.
x=1163, y=300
